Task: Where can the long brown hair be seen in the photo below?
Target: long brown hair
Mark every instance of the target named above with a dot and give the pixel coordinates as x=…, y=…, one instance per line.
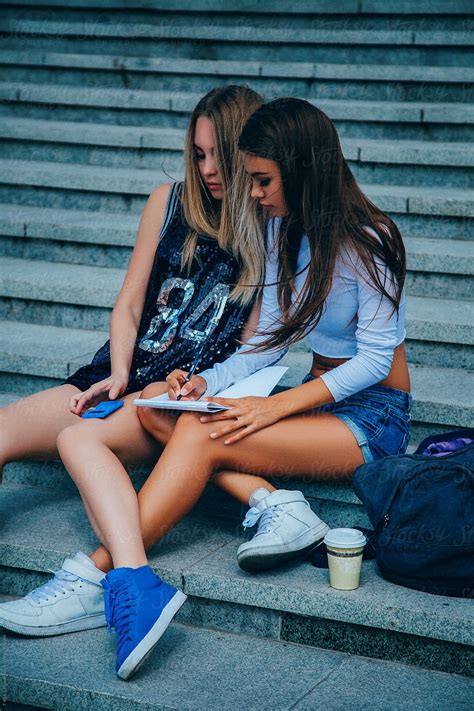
x=228, y=108
x=325, y=203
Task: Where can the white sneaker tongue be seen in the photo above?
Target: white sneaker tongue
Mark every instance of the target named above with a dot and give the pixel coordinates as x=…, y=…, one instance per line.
x=85, y=560
x=258, y=495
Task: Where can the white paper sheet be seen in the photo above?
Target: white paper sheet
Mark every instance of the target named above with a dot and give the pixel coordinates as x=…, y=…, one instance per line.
x=259, y=384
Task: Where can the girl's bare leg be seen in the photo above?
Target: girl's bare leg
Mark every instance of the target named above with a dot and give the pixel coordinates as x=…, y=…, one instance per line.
x=94, y=451
x=305, y=447
x=161, y=426
x=29, y=427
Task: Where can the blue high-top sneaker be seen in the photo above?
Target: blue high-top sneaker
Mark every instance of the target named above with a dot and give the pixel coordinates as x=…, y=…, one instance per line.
x=139, y=606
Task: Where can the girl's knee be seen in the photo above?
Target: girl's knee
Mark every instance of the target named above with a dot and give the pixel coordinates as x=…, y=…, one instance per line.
x=145, y=415
x=150, y=419
x=154, y=389
x=193, y=433
x=189, y=423
x=153, y=422
x=73, y=436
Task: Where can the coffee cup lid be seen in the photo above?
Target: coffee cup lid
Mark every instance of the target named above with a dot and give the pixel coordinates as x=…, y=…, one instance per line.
x=345, y=538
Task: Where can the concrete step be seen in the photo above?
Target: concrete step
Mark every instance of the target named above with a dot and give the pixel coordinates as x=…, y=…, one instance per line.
x=363, y=123
x=56, y=294
x=47, y=351
x=292, y=604
x=55, y=224
x=377, y=161
x=316, y=89
x=367, y=119
x=89, y=181
x=38, y=60
x=439, y=256
x=441, y=267
x=430, y=8
x=106, y=239
x=442, y=395
x=172, y=673
x=177, y=677
x=276, y=31
x=430, y=153
x=337, y=109
x=89, y=232
x=320, y=53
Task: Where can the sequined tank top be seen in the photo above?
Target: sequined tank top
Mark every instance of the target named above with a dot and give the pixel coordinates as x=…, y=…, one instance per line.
x=181, y=310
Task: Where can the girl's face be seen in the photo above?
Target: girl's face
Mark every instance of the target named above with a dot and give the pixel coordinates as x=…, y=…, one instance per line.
x=267, y=185
x=204, y=152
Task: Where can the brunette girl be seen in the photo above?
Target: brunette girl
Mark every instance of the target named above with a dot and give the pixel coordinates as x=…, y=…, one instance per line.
x=334, y=274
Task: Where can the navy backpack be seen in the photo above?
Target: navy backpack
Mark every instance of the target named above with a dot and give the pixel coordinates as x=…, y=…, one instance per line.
x=422, y=509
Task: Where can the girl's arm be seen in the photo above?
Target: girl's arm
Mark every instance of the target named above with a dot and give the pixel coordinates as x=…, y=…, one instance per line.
x=376, y=336
x=129, y=305
x=242, y=363
x=128, y=308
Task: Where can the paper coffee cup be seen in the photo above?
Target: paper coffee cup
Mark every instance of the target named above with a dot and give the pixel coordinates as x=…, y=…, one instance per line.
x=345, y=547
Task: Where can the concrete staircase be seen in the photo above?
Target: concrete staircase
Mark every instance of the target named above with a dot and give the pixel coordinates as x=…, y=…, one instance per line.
x=95, y=101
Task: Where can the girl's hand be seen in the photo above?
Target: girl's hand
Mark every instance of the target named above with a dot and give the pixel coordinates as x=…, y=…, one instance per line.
x=108, y=389
x=250, y=414
x=193, y=390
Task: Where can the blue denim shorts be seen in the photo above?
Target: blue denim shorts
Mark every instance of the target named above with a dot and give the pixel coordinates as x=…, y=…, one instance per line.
x=378, y=417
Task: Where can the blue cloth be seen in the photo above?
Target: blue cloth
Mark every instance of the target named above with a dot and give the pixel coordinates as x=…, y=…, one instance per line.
x=357, y=323
x=441, y=449
x=378, y=417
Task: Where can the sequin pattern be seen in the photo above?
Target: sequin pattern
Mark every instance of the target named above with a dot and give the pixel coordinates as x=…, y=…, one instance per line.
x=180, y=311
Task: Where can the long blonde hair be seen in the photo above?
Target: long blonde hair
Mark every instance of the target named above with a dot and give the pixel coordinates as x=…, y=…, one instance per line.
x=238, y=226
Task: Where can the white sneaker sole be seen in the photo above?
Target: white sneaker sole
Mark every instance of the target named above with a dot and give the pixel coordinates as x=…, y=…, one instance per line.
x=258, y=558
x=139, y=655
x=87, y=623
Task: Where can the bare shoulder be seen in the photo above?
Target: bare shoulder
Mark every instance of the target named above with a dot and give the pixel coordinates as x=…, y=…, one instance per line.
x=156, y=202
x=154, y=211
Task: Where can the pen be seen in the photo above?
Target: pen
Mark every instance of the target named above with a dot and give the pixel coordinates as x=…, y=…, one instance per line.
x=193, y=368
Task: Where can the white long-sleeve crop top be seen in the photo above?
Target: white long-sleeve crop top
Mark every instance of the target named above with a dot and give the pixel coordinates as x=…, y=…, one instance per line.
x=357, y=323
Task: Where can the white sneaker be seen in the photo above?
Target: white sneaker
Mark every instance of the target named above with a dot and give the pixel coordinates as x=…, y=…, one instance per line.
x=287, y=528
x=73, y=600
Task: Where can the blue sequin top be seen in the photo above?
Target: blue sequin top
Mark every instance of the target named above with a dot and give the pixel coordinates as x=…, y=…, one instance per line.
x=181, y=311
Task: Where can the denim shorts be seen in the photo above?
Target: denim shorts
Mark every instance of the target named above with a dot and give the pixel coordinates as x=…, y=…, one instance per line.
x=378, y=417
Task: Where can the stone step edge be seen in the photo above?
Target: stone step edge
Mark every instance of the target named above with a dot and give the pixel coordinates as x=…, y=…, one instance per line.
x=183, y=102
x=446, y=404
x=177, y=677
x=401, y=152
x=403, y=199
x=105, y=228
x=220, y=67
x=428, y=318
x=297, y=588
x=242, y=33
x=324, y=7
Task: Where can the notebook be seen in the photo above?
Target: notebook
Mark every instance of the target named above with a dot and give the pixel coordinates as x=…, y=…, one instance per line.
x=259, y=384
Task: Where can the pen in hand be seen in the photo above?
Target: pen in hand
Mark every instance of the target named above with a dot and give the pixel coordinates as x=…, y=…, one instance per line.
x=193, y=368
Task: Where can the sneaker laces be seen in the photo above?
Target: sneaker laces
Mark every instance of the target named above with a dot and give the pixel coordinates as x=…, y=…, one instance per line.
x=109, y=603
x=62, y=583
x=120, y=611
x=124, y=611
x=266, y=519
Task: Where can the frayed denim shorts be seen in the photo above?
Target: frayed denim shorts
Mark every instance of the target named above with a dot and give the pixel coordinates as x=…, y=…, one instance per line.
x=378, y=417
